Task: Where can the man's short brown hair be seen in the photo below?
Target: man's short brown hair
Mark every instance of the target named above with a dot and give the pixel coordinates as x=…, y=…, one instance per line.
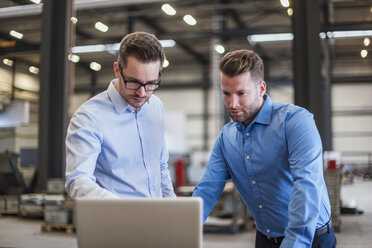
x=240, y=61
x=143, y=46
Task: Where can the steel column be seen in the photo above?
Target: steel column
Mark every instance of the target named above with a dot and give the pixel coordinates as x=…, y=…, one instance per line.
x=310, y=89
x=53, y=90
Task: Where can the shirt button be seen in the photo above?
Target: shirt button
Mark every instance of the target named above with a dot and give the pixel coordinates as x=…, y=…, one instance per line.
x=260, y=206
x=247, y=134
x=268, y=230
x=248, y=157
x=253, y=182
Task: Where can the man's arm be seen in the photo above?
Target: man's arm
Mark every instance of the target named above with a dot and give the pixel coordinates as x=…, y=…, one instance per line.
x=305, y=160
x=83, y=145
x=166, y=182
x=214, y=179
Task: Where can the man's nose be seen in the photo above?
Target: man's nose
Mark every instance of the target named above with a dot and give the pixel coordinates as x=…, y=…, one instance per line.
x=141, y=91
x=234, y=102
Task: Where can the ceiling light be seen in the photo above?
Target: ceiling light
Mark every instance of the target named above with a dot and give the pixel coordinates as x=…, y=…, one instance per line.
x=88, y=48
x=165, y=63
x=8, y=62
x=270, y=37
x=101, y=27
x=73, y=58
x=73, y=19
x=167, y=43
x=363, y=53
x=219, y=49
x=33, y=69
x=284, y=3
x=366, y=41
x=16, y=34
x=36, y=1
x=290, y=11
x=189, y=20
x=95, y=66
x=169, y=10
x=350, y=34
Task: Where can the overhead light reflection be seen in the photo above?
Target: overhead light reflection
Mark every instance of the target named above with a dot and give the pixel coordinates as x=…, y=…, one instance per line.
x=189, y=20
x=33, y=69
x=167, y=43
x=363, y=53
x=16, y=34
x=73, y=58
x=73, y=19
x=284, y=3
x=366, y=41
x=166, y=63
x=219, y=49
x=8, y=62
x=169, y=10
x=95, y=66
x=101, y=27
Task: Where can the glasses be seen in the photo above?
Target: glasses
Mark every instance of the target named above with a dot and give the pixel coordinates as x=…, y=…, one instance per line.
x=135, y=85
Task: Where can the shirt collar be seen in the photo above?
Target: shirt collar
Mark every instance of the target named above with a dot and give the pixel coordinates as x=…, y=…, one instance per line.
x=117, y=100
x=263, y=117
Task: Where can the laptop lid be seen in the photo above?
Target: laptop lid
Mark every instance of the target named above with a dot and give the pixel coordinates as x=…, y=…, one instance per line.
x=139, y=222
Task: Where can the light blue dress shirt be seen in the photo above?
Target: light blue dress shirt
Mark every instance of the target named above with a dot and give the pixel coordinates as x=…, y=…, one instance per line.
x=276, y=164
x=113, y=151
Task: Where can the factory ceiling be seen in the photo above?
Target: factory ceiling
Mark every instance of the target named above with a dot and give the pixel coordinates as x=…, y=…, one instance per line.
x=232, y=24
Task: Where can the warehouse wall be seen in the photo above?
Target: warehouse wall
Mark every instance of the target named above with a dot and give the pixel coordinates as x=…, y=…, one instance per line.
x=352, y=105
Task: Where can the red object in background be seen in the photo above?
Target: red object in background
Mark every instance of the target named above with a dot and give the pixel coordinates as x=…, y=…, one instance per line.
x=180, y=166
x=331, y=165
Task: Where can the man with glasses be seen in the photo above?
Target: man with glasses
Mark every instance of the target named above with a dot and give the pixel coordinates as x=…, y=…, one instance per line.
x=115, y=142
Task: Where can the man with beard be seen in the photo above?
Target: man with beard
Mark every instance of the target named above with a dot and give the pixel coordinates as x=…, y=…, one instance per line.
x=273, y=154
x=115, y=142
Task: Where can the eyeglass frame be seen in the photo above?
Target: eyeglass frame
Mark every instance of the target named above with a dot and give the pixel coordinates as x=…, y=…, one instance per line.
x=140, y=84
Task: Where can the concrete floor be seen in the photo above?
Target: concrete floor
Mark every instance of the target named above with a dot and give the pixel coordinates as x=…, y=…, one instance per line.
x=356, y=230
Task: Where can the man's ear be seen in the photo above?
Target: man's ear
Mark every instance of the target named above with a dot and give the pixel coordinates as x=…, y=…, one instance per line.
x=116, y=69
x=262, y=88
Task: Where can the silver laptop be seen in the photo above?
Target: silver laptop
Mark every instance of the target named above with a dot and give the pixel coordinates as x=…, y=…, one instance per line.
x=139, y=222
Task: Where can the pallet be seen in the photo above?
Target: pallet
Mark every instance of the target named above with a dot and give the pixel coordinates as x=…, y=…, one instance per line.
x=47, y=227
x=9, y=212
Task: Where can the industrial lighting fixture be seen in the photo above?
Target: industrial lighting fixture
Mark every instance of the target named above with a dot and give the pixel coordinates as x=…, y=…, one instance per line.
x=219, y=49
x=284, y=3
x=189, y=20
x=73, y=58
x=33, y=69
x=16, y=34
x=8, y=62
x=165, y=63
x=111, y=47
x=95, y=66
x=73, y=19
x=101, y=27
x=88, y=48
x=290, y=11
x=167, y=43
x=363, y=53
x=366, y=41
x=289, y=36
x=351, y=34
x=36, y=1
x=270, y=37
x=169, y=10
